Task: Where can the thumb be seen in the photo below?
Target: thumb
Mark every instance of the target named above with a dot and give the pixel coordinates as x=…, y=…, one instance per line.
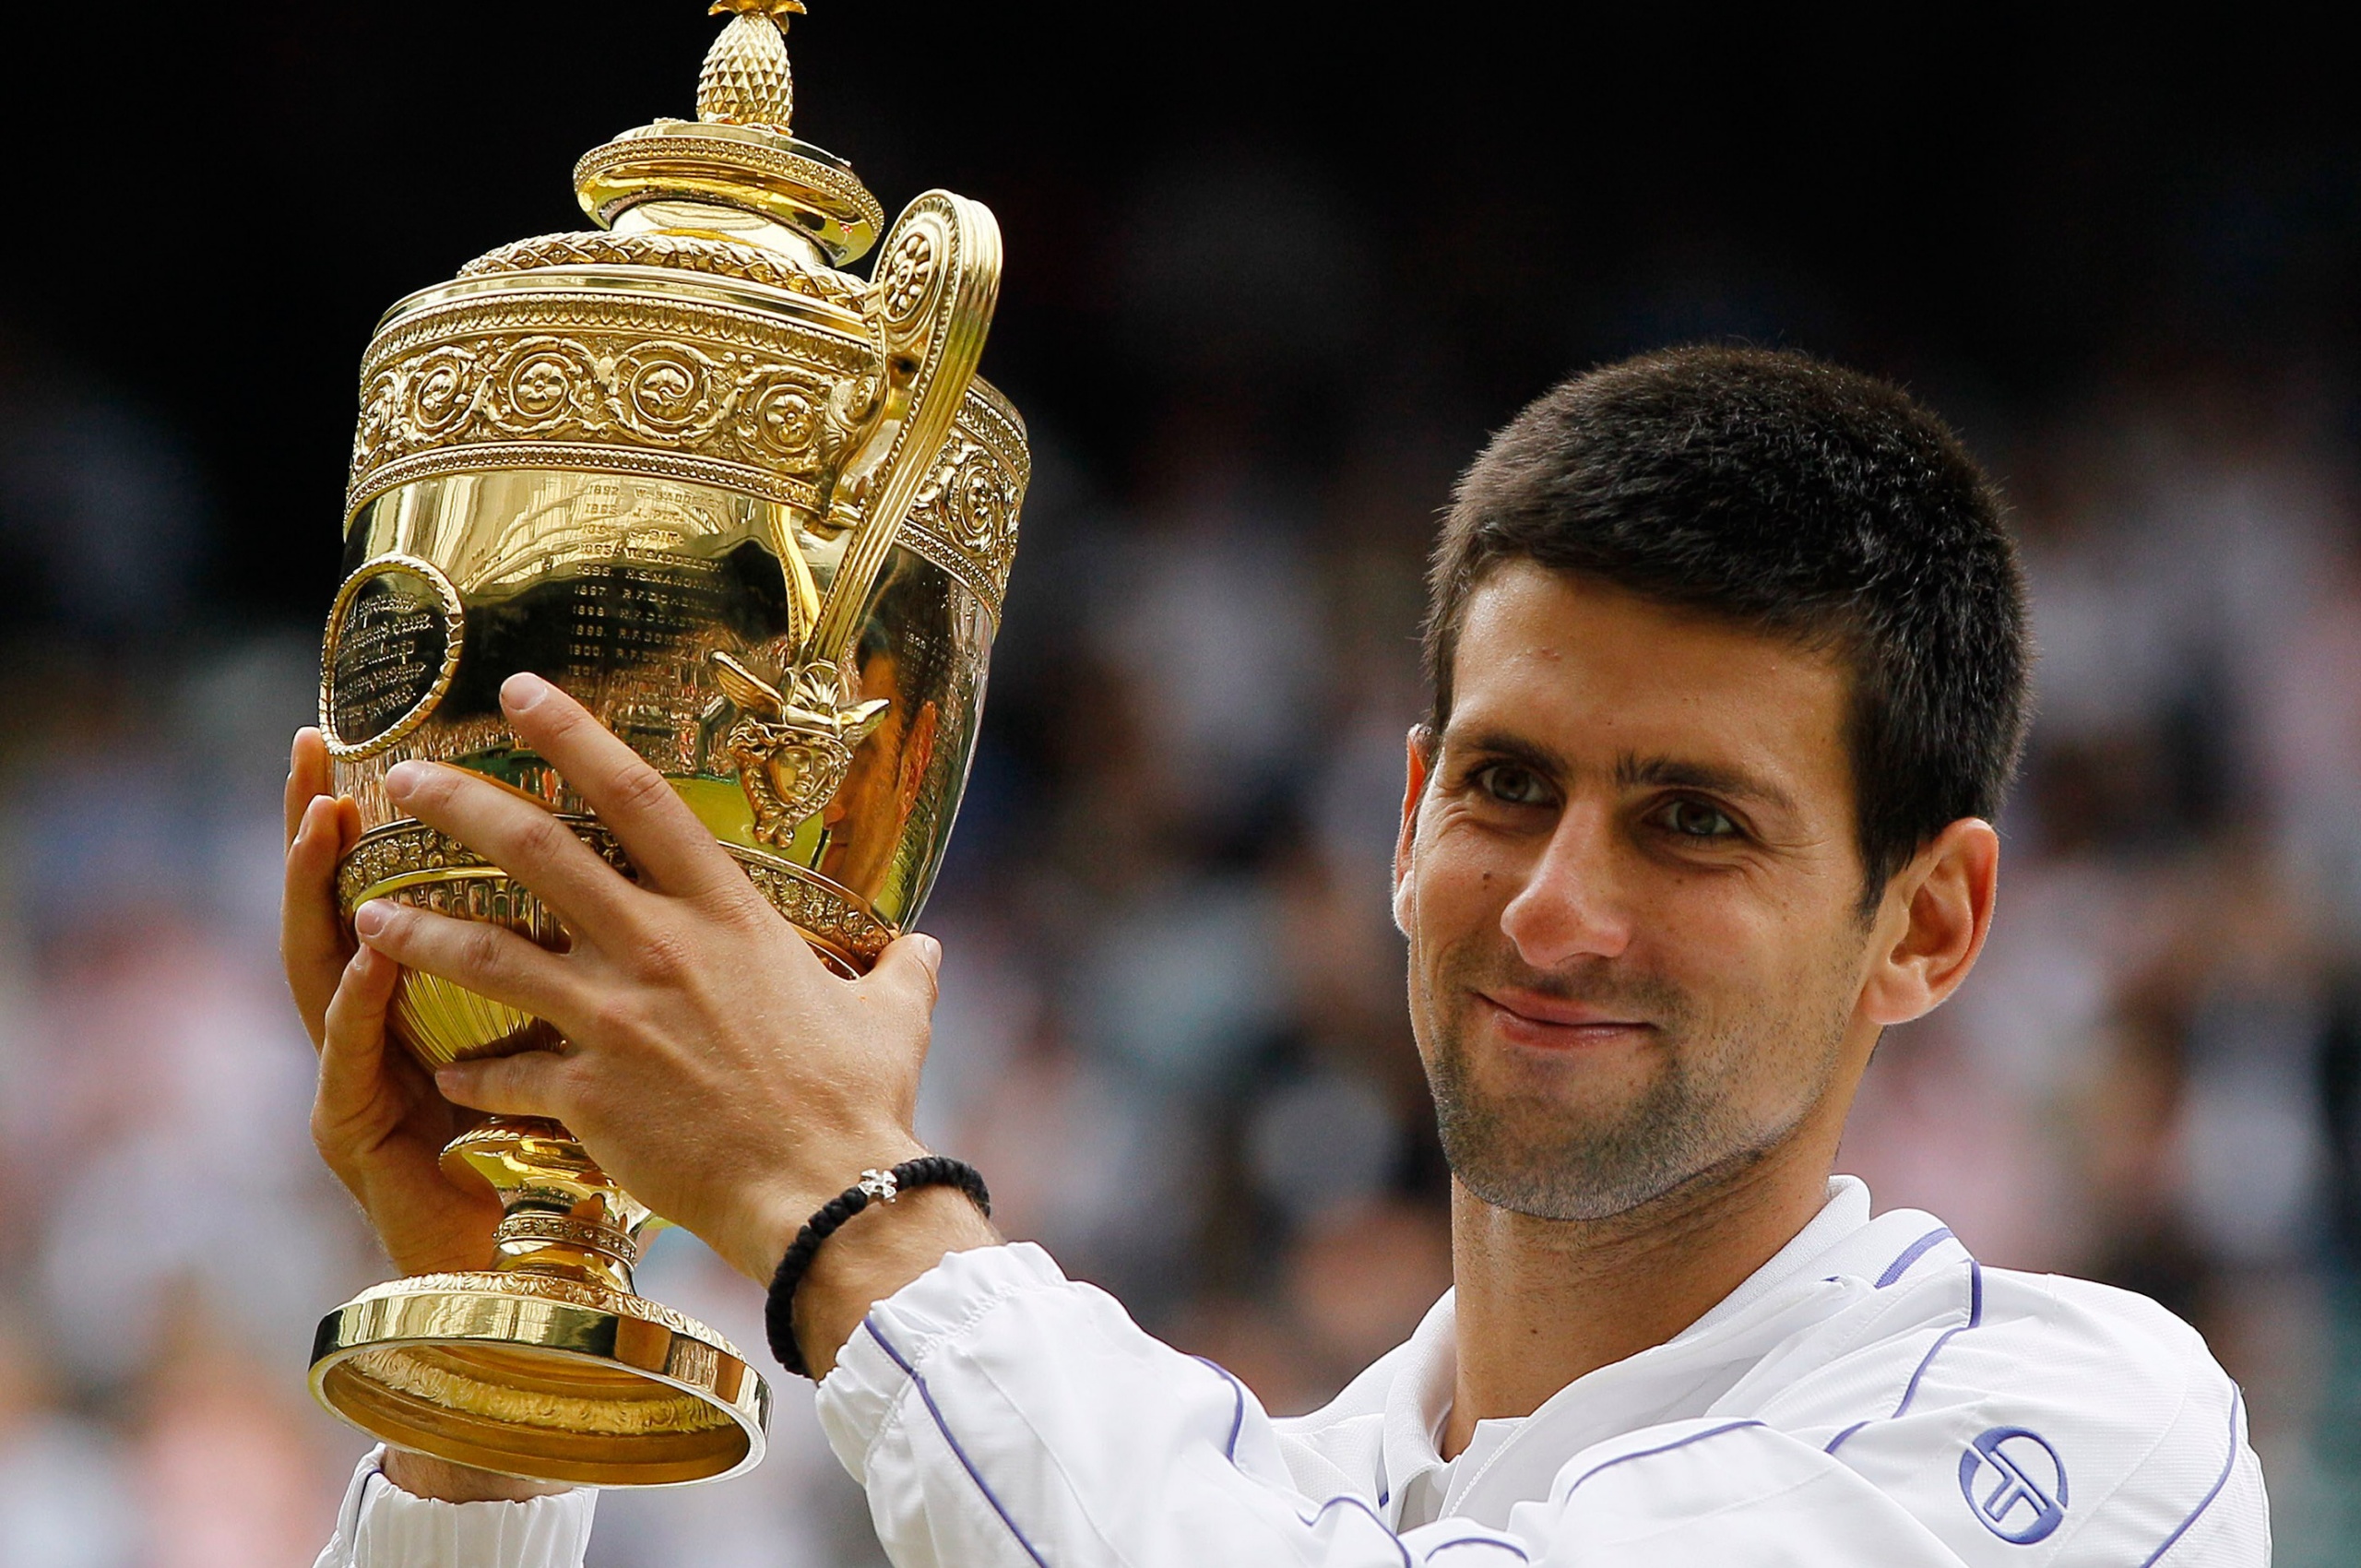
x=531, y=1083
x=908, y=971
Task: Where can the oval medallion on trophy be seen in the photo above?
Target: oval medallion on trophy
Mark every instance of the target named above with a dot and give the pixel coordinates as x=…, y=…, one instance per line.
x=393, y=646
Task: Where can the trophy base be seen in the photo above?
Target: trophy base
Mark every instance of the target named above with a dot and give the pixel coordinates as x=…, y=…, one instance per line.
x=546, y=1365
x=542, y=1377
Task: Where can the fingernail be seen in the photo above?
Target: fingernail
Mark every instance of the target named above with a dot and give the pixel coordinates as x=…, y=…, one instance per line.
x=930, y=952
x=404, y=777
x=521, y=691
x=371, y=917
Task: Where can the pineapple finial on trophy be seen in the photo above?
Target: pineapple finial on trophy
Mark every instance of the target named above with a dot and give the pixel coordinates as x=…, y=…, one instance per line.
x=746, y=80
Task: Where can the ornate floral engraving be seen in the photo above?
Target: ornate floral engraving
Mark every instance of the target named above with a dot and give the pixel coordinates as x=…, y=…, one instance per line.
x=406, y=850
x=965, y=517
x=826, y=913
x=651, y=386
x=385, y=858
x=444, y=1385
x=535, y=1225
x=909, y=273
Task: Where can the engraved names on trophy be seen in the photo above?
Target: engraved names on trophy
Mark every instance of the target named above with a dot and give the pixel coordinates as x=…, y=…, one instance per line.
x=639, y=635
x=627, y=613
x=393, y=645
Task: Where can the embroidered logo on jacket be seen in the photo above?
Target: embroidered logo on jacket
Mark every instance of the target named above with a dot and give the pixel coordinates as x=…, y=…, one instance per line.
x=2015, y=1483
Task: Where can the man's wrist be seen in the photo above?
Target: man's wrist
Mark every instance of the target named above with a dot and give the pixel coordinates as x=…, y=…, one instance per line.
x=875, y=1254
x=439, y=1479
x=776, y=1213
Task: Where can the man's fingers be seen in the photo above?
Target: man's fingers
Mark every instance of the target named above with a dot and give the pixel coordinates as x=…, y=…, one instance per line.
x=312, y=942
x=663, y=837
x=908, y=971
x=488, y=959
x=352, y=1059
x=531, y=1083
x=525, y=840
x=307, y=777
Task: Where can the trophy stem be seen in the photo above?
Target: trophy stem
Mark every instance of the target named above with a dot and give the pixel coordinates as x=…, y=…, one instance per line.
x=564, y=1214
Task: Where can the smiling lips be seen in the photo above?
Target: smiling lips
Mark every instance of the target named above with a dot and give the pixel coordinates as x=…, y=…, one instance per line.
x=1553, y=1023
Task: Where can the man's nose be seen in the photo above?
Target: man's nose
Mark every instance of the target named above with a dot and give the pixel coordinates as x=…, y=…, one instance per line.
x=1572, y=906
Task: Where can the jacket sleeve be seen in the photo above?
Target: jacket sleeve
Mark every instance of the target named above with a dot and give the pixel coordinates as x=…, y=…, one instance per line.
x=1000, y=1415
x=381, y=1526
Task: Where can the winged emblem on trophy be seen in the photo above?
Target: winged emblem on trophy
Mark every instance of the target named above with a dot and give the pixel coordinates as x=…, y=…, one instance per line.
x=794, y=746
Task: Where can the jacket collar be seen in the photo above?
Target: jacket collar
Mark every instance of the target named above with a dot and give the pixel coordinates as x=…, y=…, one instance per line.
x=1830, y=1262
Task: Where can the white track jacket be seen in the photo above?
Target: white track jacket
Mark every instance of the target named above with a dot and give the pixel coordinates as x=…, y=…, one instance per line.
x=1874, y=1395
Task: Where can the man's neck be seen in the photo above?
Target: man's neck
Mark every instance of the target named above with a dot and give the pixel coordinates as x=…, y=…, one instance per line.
x=1541, y=1302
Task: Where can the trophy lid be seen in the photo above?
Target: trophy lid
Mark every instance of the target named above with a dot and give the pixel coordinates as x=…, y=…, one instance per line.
x=740, y=154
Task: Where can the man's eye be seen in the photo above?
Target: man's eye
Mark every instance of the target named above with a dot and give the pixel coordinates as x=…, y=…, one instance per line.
x=1695, y=819
x=1513, y=785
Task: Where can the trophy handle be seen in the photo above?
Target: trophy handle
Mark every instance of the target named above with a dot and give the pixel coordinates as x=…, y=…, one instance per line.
x=936, y=281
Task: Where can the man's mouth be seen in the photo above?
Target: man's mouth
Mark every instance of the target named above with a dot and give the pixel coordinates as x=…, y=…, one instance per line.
x=1554, y=1023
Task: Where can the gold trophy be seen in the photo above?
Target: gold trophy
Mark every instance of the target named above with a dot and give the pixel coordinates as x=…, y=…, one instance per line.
x=757, y=514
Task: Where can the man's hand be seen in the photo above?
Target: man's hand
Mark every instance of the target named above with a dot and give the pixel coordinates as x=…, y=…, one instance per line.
x=712, y=1064
x=378, y=1120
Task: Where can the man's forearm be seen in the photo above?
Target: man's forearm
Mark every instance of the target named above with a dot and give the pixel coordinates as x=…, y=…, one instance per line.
x=439, y=1479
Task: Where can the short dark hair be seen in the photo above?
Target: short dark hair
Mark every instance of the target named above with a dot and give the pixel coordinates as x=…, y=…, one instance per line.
x=1796, y=497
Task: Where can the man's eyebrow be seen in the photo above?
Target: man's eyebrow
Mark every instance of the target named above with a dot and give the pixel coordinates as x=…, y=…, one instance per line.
x=1509, y=746
x=1632, y=772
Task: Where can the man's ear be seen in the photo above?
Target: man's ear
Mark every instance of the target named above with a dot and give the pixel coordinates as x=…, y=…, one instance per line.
x=1421, y=747
x=1932, y=923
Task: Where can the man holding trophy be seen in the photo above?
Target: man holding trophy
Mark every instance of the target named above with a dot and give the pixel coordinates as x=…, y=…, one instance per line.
x=674, y=555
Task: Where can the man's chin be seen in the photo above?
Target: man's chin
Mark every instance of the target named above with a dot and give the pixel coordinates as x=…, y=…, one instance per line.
x=1549, y=1193
x=1611, y=1142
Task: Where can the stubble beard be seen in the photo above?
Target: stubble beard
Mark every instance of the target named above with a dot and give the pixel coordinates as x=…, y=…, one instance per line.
x=1540, y=1156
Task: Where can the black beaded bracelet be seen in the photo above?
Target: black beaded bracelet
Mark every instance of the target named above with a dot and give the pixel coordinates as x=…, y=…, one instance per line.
x=874, y=1186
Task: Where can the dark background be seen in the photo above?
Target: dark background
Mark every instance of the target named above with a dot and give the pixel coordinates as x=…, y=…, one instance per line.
x=215, y=202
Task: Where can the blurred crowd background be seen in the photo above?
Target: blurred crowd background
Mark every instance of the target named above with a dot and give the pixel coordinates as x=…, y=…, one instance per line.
x=1271, y=280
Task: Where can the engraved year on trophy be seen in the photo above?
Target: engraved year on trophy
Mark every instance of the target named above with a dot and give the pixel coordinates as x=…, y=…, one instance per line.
x=758, y=513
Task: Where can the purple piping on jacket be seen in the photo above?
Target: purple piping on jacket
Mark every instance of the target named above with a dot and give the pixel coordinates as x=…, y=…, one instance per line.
x=944, y=1428
x=1661, y=1448
x=1912, y=1254
x=1974, y=1317
x=1321, y=1512
x=1838, y=1441
x=2237, y=1398
x=1238, y=1421
x=1480, y=1540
